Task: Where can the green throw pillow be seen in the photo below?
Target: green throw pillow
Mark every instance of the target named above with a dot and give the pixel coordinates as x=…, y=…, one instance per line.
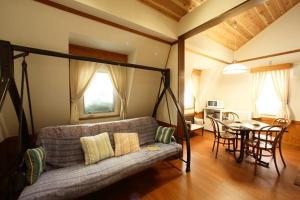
x=35, y=164
x=164, y=134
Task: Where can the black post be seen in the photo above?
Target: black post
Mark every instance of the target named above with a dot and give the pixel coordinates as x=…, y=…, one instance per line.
x=185, y=131
x=24, y=68
x=6, y=69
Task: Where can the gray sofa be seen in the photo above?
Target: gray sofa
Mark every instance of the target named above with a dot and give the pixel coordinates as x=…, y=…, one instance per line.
x=67, y=177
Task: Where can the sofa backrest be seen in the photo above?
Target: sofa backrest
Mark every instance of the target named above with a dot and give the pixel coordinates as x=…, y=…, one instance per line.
x=62, y=143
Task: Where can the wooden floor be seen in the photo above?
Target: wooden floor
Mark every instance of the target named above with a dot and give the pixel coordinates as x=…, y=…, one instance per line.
x=210, y=178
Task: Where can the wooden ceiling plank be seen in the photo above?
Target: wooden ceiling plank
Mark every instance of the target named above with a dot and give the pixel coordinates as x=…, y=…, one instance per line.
x=257, y=21
x=294, y=2
x=273, y=8
x=161, y=9
x=264, y=14
x=215, y=37
x=170, y=5
x=282, y=5
x=287, y=4
x=234, y=33
x=228, y=38
x=246, y=22
x=241, y=30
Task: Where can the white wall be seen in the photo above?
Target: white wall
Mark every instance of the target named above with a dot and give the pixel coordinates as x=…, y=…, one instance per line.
x=131, y=13
x=211, y=69
x=282, y=35
x=33, y=24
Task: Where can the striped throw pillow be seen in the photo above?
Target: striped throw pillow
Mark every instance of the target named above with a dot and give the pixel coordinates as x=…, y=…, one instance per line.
x=164, y=134
x=35, y=164
x=126, y=143
x=96, y=148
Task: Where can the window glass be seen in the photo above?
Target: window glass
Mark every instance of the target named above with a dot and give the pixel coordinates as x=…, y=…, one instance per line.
x=99, y=96
x=268, y=103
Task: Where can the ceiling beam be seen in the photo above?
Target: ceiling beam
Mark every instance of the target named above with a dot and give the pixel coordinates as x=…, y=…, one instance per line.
x=219, y=19
x=162, y=9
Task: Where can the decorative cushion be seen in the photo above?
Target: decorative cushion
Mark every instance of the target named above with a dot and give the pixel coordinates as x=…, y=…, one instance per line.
x=164, y=134
x=35, y=164
x=96, y=148
x=126, y=143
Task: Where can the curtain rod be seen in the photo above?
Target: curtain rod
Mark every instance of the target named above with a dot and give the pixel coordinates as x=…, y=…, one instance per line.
x=82, y=58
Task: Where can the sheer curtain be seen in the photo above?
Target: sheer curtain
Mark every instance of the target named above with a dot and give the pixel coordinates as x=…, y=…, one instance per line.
x=196, y=74
x=258, y=79
x=81, y=73
x=119, y=78
x=281, y=85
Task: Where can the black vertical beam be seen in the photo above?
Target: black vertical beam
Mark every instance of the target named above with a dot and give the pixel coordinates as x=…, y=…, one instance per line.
x=6, y=69
x=185, y=130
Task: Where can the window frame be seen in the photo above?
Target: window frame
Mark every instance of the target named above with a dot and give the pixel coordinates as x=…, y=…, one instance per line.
x=117, y=104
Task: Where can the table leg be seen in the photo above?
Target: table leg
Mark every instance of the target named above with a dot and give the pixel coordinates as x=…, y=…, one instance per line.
x=244, y=135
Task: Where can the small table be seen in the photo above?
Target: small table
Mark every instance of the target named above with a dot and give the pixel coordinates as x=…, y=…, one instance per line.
x=244, y=128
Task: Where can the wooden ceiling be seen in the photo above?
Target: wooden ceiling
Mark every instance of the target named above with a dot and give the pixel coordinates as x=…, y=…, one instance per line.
x=249, y=24
x=174, y=8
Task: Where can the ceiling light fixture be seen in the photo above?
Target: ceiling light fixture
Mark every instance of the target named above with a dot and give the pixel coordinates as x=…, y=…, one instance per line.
x=234, y=67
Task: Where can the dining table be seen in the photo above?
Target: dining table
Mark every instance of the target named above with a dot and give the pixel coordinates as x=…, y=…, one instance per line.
x=243, y=128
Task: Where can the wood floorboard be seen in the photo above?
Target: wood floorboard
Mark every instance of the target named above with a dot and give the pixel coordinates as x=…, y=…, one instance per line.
x=210, y=178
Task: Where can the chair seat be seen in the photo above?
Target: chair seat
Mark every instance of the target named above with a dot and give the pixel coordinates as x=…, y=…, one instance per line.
x=264, y=137
x=227, y=135
x=262, y=144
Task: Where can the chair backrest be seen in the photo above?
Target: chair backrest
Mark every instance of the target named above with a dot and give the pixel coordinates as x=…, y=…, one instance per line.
x=232, y=116
x=217, y=126
x=214, y=125
x=282, y=122
x=269, y=135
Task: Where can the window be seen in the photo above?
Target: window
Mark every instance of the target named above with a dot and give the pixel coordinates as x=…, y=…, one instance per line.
x=100, y=98
x=268, y=103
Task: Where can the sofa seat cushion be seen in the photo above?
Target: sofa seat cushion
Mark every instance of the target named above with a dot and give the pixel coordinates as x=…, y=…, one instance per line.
x=78, y=180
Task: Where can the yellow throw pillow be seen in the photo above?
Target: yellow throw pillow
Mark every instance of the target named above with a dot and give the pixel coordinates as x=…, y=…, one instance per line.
x=126, y=143
x=96, y=148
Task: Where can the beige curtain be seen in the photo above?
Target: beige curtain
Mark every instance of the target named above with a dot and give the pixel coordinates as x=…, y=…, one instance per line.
x=281, y=85
x=258, y=79
x=119, y=79
x=81, y=73
x=196, y=74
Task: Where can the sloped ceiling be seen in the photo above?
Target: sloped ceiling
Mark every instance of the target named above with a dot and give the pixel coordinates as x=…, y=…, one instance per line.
x=174, y=8
x=235, y=32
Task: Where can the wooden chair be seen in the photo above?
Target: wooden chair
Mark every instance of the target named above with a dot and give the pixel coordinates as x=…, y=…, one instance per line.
x=232, y=116
x=220, y=135
x=283, y=123
x=266, y=139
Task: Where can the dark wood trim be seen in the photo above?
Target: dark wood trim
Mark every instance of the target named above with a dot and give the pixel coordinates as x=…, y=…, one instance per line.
x=181, y=67
x=270, y=55
x=101, y=20
x=97, y=53
x=219, y=19
x=206, y=56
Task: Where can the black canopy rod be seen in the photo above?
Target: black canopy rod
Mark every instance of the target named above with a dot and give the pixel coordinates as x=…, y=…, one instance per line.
x=9, y=83
x=83, y=58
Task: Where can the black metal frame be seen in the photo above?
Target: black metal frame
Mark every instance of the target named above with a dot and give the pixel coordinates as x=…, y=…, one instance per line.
x=8, y=83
